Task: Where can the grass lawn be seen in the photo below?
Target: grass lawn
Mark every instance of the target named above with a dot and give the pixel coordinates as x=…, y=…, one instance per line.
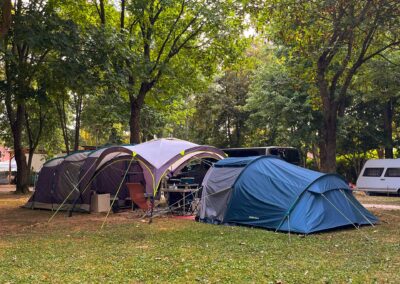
x=74, y=250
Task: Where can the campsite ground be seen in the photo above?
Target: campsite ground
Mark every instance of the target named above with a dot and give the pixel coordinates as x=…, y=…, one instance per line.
x=75, y=250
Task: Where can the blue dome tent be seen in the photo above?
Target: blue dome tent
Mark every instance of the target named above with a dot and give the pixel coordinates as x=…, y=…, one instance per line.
x=270, y=193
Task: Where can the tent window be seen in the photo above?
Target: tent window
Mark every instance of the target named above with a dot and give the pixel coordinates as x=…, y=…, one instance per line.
x=373, y=172
x=392, y=172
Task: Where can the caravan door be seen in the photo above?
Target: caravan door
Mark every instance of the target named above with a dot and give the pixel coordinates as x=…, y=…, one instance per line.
x=391, y=178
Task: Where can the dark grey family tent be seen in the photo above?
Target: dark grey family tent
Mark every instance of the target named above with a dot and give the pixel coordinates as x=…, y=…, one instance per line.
x=270, y=193
x=69, y=182
x=58, y=179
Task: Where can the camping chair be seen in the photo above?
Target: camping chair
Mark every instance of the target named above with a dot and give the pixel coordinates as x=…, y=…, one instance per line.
x=137, y=195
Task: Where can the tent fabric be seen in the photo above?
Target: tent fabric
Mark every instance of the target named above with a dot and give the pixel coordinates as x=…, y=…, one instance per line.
x=68, y=177
x=110, y=179
x=271, y=193
x=216, y=192
x=73, y=178
x=53, y=162
x=159, y=151
x=57, y=182
x=160, y=157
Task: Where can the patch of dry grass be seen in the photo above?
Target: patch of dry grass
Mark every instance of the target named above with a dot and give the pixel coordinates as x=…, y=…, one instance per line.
x=380, y=199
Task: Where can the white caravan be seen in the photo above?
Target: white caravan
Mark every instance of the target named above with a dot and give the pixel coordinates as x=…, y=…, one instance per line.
x=380, y=176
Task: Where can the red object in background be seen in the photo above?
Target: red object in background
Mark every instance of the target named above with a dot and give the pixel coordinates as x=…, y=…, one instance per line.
x=5, y=154
x=352, y=186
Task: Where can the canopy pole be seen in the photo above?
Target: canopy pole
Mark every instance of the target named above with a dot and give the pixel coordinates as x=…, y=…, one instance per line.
x=87, y=186
x=365, y=217
x=289, y=211
x=116, y=194
x=339, y=211
x=288, y=221
x=66, y=198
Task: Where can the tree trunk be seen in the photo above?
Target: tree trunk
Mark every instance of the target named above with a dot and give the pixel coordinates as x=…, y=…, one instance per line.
x=22, y=167
x=228, y=131
x=30, y=158
x=136, y=104
x=328, y=139
x=78, y=112
x=316, y=159
x=381, y=153
x=134, y=121
x=5, y=22
x=102, y=13
x=122, y=15
x=238, y=132
x=388, y=129
x=327, y=143
x=60, y=106
x=16, y=118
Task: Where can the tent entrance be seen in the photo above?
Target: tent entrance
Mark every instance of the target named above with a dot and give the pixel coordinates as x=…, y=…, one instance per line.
x=113, y=177
x=181, y=190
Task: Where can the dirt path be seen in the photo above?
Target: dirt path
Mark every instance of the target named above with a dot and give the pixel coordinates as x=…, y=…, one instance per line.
x=7, y=188
x=382, y=206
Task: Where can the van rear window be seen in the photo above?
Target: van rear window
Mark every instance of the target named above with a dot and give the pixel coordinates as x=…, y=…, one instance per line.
x=373, y=172
x=392, y=172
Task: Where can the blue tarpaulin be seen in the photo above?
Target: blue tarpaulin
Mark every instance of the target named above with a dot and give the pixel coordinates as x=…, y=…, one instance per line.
x=271, y=193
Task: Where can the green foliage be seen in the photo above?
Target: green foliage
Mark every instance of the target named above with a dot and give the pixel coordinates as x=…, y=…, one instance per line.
x=281, y=108
x=334, y=39
x=36, y=45
x=220, y=116
x=105, y=114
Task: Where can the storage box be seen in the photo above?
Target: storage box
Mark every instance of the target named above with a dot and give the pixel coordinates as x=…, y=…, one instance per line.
x=100, y=203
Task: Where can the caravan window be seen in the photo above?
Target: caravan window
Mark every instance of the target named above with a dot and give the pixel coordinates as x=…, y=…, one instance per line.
x=392, y=172
x=290, y=155
x=373, y=172
x=244, y=152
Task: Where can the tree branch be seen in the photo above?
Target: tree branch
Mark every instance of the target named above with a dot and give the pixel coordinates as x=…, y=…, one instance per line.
x=173, y=49
x=380, y=50
x=388, y=60
x=28, y=130
x=161, y=51
x=343, y=66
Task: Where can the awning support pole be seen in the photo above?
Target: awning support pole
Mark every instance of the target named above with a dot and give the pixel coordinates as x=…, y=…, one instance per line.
x=116, y=194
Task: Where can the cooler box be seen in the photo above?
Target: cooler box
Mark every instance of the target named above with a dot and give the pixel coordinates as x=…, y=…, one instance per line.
x=100, y=203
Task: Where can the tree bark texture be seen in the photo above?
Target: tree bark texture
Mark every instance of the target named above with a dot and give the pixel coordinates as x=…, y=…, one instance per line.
x=60, y=106
x=136, y=104
x=388, y=129
x=78, y=100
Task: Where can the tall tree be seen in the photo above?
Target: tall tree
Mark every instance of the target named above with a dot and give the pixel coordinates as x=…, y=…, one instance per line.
x=381, y=77
x=158, y=31
x=35, y=32
x=338, y=37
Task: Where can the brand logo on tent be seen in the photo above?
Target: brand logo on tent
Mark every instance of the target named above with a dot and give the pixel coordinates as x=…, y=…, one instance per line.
x=254, y=217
